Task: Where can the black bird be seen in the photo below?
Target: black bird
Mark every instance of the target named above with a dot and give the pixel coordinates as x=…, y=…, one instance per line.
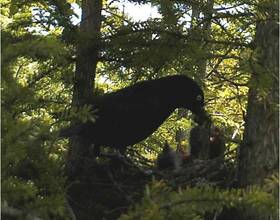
x=130, y=115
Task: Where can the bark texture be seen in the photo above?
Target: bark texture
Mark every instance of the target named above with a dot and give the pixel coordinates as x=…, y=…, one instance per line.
x=259, y=153
x=87, y=59
x=79, y=158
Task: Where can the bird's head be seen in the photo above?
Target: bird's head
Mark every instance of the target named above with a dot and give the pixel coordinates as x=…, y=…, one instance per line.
x=195, y=103
x=196, y=106
x=191, y=96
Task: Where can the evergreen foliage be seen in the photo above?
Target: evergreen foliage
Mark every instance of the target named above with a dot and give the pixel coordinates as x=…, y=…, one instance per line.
x=39, y=41
x=160, y=202
x=33, y=183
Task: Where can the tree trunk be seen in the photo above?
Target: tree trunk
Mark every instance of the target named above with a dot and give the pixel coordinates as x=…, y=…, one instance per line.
x=259, y=152
x=87, y=50
x=80, y=196
x=87, y=58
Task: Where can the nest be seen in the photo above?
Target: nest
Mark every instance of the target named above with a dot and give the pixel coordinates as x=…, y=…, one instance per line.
x=112, y=183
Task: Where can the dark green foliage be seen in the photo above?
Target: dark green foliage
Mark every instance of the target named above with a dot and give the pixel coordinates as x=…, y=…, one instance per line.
x=160, y=202
x=32, y=160
x=37, y=66
x=32, y=163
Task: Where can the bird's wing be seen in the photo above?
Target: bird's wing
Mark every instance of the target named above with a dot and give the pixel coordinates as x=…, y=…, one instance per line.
x=128, y=106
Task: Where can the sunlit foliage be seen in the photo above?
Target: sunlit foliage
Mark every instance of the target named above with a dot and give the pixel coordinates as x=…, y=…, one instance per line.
x=38, y=62
x=160, y=202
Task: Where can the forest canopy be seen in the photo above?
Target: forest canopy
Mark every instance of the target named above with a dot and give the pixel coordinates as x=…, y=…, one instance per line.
x=57, y=55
